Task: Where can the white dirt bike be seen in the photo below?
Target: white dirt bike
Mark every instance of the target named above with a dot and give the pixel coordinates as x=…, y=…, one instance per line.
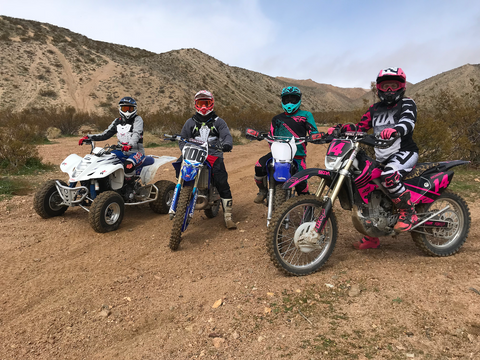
x=103, y=191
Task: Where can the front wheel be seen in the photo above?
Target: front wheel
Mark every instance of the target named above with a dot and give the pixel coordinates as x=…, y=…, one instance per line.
x=106, y=212
x=164, y=198
x=292, y=242
x=181, y=217
x=47, y=201
x=445, y=233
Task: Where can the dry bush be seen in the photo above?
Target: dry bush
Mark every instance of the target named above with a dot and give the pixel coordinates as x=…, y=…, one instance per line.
x=151, y=140
x=53, y=133
x=17, y=143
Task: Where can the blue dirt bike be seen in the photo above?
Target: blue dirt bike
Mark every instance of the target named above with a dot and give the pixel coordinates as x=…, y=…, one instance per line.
x=194, y=189
x=280, y=167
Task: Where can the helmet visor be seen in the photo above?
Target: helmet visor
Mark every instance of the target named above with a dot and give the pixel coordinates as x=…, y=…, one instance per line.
x=127, y=108
x=203, y=102
x=290, y=99
x=390, y=85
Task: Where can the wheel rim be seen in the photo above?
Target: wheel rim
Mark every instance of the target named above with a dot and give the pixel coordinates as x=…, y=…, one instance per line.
x=54, y=201
x=288, y=249
x=112, y=213
x=454, y=217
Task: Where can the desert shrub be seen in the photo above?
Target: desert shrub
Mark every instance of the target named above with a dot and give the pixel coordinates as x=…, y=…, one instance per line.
x=48, y=93
x=17, y=143
x=151, y=140
x=53, y=133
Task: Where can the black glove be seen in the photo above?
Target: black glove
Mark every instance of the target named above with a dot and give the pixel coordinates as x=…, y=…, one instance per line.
x=226, y=148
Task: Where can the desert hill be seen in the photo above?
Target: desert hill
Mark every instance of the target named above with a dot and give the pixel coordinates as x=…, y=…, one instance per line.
x=45, y=65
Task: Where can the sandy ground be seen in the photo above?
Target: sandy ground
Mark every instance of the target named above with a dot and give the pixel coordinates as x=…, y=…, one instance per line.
x=67, y=292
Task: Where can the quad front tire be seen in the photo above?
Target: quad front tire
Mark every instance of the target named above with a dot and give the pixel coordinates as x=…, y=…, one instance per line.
x=47, y=200
x=106, y=212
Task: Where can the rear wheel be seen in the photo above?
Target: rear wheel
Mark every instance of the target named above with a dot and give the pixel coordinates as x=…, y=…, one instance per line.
x=293, y=245
x=106, y=212
x=180, y=217
x=448, y=236
x=164, y=199
x=47, y=200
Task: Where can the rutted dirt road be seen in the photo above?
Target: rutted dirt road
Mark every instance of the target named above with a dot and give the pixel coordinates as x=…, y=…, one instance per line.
x=67, y=292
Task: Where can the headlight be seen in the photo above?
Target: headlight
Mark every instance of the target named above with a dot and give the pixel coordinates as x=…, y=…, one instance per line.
x=330, y=162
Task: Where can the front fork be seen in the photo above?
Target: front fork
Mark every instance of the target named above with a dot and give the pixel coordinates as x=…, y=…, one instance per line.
x=327, y=208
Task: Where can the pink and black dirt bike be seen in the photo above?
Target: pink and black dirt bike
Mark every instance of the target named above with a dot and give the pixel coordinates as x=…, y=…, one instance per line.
x=303, y=232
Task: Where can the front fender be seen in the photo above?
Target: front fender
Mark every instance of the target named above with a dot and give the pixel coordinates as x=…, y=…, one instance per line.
x=307, y=174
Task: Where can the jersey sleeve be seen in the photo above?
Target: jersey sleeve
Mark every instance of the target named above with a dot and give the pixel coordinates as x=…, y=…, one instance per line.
x=137, y=132
x=408, y=117
x=224, y=134
x=311, y=125
x=365, y=123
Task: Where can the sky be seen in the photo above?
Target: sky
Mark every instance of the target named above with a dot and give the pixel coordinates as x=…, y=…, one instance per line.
x=338, y=42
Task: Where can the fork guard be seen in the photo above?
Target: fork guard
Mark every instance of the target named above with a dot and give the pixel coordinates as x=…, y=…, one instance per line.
x=306, y=174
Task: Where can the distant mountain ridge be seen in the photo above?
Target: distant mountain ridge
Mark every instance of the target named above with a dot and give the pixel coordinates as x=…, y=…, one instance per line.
x=45, y=65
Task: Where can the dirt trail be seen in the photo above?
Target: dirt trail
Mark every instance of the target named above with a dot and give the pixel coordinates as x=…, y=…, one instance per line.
x=68, y=292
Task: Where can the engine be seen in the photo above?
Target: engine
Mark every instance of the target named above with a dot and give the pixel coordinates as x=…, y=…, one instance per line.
x=375, y=218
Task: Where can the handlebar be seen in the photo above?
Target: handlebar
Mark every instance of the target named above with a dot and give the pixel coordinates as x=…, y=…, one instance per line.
x=218, y=146
x=252, y=134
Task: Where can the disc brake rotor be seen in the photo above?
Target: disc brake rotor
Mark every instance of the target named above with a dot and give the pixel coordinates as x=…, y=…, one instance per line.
x=306, y=238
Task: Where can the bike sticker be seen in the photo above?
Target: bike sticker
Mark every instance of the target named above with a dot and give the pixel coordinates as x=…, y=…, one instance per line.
x=192, y=153
x=338, y=148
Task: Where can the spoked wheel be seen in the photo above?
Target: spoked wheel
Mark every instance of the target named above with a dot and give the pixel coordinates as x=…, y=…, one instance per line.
x=446, y=232
x=180, y=221
x=213, y=211
x=292, y=242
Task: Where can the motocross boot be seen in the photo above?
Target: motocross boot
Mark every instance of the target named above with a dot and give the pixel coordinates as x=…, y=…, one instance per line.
x=261, y=182
x=407, y=214
x=227, y=214
x=367, y=242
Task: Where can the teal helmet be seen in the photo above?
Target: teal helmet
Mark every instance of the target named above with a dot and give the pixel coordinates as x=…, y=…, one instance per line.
x=291, y=99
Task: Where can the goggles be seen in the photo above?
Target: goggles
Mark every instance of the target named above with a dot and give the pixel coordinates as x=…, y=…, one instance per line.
x=203, y=102
x=127, y=108
x=392, y=85
x=290, y=99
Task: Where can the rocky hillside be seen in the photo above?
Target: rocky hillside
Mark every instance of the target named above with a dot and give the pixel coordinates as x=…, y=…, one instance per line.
x=45, y=65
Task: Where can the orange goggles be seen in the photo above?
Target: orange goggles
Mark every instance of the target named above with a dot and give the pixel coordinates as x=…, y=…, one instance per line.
x=391, y=85
x=203, y=102
x=127, y=108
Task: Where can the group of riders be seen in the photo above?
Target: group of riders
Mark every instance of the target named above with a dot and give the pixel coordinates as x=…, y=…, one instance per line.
x=393, y=116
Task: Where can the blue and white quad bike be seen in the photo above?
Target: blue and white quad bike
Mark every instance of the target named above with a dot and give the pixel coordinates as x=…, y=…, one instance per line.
x=102, y=189
x=280, y=167
x=194, y=189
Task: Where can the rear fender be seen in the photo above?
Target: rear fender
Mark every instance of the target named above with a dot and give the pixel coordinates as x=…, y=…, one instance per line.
x=307, y=174
x=428, y=187
x=148, y=172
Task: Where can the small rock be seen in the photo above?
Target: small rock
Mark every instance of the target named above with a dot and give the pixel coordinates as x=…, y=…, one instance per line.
x=217, y=303
x=330, y=286
x=235, y=335
x=104, y=313
x=214, y=335
x=410, y=355
x=267, y=310
x=218, y=342
x=354, y=290
x=260, y=338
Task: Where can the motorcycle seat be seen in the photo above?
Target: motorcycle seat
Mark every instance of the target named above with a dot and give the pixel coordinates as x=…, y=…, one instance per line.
x=148, y=161
x=419, y=169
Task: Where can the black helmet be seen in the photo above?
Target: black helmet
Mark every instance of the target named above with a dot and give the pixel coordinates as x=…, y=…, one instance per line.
x=127, y=108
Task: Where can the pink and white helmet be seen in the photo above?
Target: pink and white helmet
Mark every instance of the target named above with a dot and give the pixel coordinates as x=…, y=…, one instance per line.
x=391, y=85
x=204, y=102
